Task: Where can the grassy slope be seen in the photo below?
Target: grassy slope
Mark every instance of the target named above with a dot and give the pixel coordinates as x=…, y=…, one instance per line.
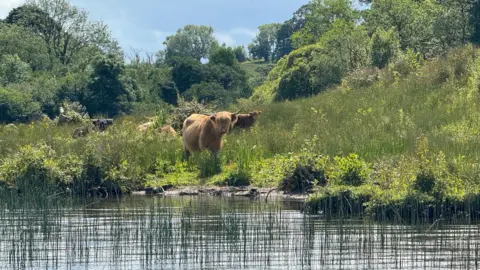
x=250, y=66
x=383, y=119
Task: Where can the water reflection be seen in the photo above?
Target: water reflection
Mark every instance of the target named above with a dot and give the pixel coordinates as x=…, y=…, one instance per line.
x=220, y=233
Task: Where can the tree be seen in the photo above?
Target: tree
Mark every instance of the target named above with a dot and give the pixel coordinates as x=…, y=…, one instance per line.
x=16, y=40
x=110, y=91
x=66, y=31
x=232, y=78
x=33, y=18
x=319, y=18
x=265, y=42
x=240, y=53
x=16, y=105
x=474, y=20
x=284, y=43
x=413, y=21
x=187, y=72
x=385, y=47
x=223, y=55
x=206, y=92
x=13, y=69
x=169, y=93
x=191, y=41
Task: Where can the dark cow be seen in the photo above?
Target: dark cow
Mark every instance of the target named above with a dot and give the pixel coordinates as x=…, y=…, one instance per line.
x=102, y=124
x=246, y=120
x=96, y=125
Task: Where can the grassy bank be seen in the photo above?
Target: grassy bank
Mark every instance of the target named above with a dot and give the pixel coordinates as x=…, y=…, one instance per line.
x=405, y=137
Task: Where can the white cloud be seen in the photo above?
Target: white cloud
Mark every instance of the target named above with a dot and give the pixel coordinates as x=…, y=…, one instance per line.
x=224, y=38
x=7, y=5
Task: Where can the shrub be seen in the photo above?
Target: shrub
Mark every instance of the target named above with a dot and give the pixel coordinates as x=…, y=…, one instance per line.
x=17, y=106
x=362, y=78
x=185, y=109
x=38, y=170
x=72, y=112
x=350, y=170
x=13, y=69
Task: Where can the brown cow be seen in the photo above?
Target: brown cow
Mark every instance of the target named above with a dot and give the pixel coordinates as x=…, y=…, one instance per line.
x=246, y=120
x=201, y=132
x=167, y=130
x=145, y=126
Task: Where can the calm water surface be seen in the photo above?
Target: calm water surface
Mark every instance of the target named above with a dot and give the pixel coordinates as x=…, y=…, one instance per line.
x=219, y=233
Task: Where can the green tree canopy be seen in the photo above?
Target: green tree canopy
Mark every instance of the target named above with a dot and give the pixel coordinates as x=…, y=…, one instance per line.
x=264, y=44
x=66, y=29
x=13, y=69
x=194, y=41
x=110, y=90
x=319, y=18
x=223, y=55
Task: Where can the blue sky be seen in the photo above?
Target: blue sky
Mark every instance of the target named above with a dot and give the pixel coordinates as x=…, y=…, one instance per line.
x=144, y=24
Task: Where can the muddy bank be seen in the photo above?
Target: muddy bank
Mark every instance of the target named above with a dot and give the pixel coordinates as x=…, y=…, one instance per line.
x=251, y=192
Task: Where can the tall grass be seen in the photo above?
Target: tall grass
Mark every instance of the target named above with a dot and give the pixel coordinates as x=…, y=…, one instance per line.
x=209, y=232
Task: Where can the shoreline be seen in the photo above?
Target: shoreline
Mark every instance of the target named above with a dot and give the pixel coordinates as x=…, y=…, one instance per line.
x=249, y=192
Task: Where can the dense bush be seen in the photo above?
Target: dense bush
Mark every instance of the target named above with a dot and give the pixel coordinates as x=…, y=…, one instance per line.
x=17, y=106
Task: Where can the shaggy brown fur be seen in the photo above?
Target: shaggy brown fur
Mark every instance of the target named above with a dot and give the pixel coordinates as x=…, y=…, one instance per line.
x=201, y=132
x=145, y=126
x=82, y=131
x=247, y=120
x=167, y=130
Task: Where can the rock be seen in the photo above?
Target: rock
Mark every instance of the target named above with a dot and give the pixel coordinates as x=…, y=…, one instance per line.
x=188, y=192
x=154, y=190
x=63, y=119
x=248, y=193
x=167, y=187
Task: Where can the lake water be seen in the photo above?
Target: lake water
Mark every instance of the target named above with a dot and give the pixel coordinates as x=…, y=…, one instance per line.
x=220, y=233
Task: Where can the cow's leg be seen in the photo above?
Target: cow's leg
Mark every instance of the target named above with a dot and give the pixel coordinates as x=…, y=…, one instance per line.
x=186, y=153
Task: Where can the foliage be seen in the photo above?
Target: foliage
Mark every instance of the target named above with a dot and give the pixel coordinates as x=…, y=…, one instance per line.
x=385, y=47
x=284, y=34
x=13, y=70
x=169, y=93
x=312, y=69
x=413, y=20
x=194, y=41
x=207, y=92
x=264, y=44
x=240, y=54
x=184, y=109
x=223, y=55
x=110, y=90
x=16, y=40
x=187, y=72
x=350, y=170
x=71, y=34
x=73, y=112
x=16, y=106
x=320, y=15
